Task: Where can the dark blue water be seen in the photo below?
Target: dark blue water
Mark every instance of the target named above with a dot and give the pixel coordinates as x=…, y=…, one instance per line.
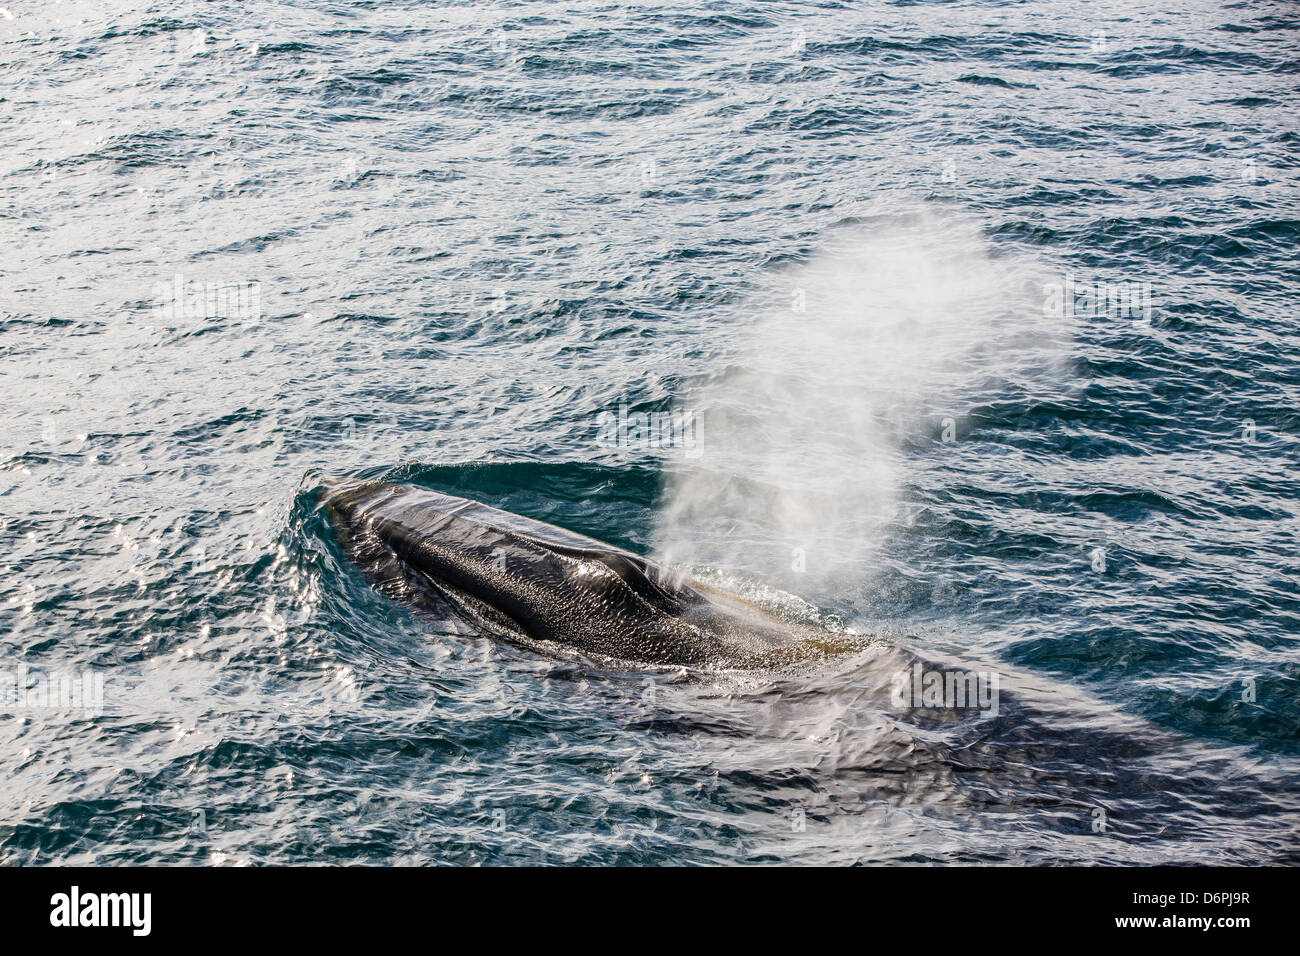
x=437, y=242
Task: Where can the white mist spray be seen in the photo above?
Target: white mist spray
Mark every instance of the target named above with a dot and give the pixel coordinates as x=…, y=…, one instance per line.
x=878, y=338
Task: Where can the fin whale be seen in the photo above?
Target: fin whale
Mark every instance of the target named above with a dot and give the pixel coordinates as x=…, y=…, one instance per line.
x=550, y=589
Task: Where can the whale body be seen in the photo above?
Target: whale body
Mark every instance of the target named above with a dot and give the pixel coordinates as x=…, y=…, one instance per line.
x=550, y=589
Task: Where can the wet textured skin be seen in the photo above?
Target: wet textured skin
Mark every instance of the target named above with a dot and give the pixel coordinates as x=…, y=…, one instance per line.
x=543, y=586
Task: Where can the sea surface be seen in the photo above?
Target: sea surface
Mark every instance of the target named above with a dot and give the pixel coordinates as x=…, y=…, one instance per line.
x=970, y=327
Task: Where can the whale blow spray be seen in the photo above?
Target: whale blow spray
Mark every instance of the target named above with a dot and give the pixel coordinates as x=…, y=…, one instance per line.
x=875, y=343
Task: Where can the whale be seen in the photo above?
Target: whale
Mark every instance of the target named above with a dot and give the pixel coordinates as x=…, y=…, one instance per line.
x=811, y=711
x=551, y=590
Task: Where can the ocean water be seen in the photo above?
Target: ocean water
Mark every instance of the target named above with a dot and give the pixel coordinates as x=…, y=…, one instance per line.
x=968, y=326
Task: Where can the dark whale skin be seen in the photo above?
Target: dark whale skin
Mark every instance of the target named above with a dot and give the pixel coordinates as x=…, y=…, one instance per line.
x=549, y=588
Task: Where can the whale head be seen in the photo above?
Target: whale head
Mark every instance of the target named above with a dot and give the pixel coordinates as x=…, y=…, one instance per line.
x=547, y=588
